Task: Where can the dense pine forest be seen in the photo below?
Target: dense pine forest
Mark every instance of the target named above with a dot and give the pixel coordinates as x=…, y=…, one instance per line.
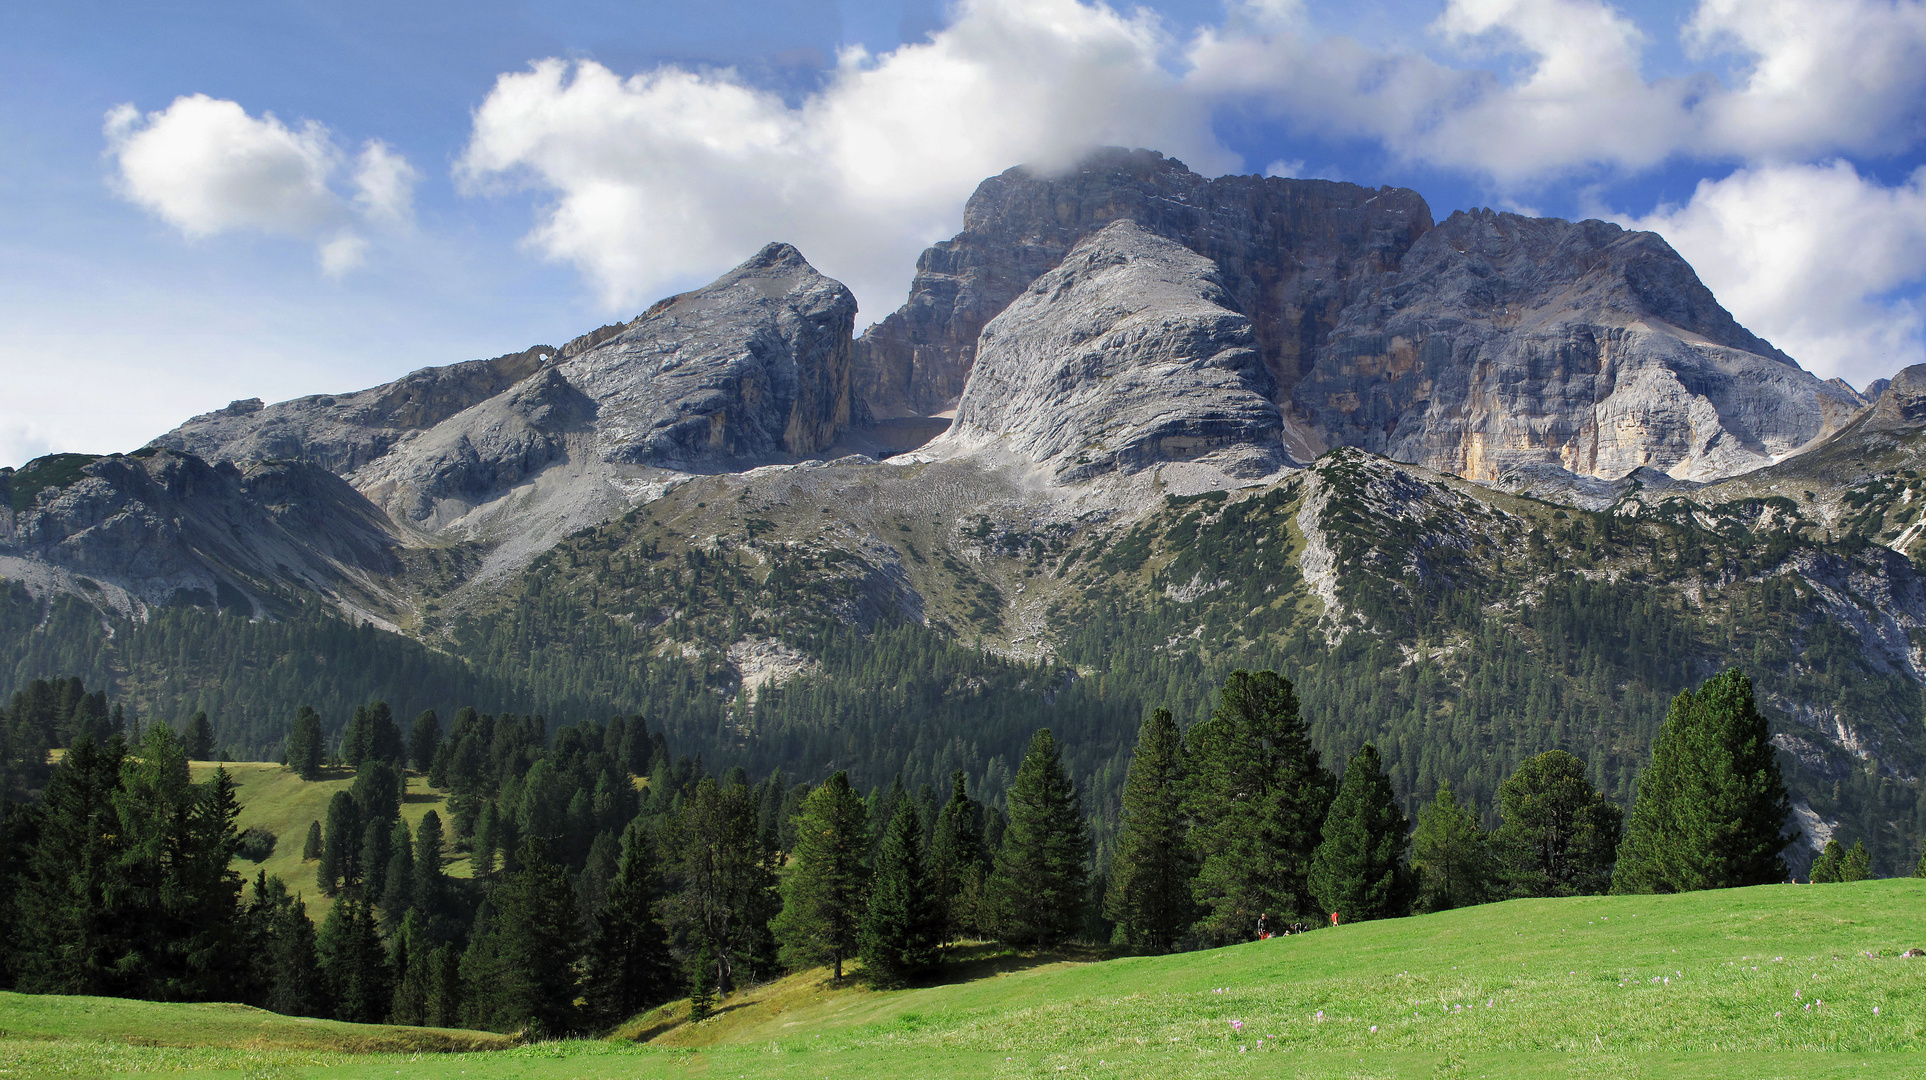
x=609, y=876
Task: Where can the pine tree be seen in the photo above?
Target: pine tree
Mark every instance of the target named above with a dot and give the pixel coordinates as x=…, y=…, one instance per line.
x=305, y=744
x=424, y=739
x=200, y=738
x=1858, y=863
x=903, y=925
x=357, y=741
x=1919, y=870
x=629, y=966
x=1040, y=879
x=956, y=858
x=444, y=1007
x=481, y=852
x=312, y=849
x=281, y=947
x=535, y=943
x=71, y=931
x=1148, y=895
x=353, y=965
x=341, y=850
x=1451, y=855
x=1559, y=835
x=1712, y=808
x=1257, y=794
x=702, y=982
x=431, y=881
x=398, y=883
x=1358, y=872
x=1830, y=864
x=825, y=887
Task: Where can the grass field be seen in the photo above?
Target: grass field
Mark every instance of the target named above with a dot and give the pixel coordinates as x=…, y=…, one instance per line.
x=275, y=798
x=1765, y=982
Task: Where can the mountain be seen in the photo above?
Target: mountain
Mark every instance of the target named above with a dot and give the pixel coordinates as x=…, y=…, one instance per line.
x=1481, y=487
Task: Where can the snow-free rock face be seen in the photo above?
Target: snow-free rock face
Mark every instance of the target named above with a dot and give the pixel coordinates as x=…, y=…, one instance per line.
x=1506, y=341
x=1488, y=342
x=161, y=526
x=1126, y=355
x=751, y=368
x=1290, y=253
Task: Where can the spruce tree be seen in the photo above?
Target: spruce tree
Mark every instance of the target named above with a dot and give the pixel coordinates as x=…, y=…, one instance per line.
x=1831, y=863
x=353, y=965
x=305, y=750
x=903, y=926
x=1148, y=894
x=281, y=948
x=424, y=739
x=1712, y=807
x=357, y=741
x=312, y=849
x=956, y=857
x=629, y=965
x=1039, y=883
x=1559, y=835
x=1919, y=869
x=1451, y=855
x=1257, y=793
x=1358, y=872
x=398, y=884
x=825, y=887
x=444, y=1007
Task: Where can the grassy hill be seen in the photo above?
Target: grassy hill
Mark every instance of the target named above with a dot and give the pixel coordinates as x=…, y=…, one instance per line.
x=1766, y=982
x=275, y=798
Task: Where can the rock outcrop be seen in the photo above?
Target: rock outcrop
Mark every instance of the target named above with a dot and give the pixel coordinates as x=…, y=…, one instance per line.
x=1291, y=254
x=1486, y=343
x=161, y=526
x=1127, y=354
x=1505, y=341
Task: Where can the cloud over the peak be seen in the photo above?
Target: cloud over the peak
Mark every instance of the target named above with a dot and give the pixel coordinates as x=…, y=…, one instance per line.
x=673, y=174
x=1815, y=258
x=206, y=167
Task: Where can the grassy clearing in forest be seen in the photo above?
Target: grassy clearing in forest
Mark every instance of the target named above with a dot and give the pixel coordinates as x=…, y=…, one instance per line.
x=274, y=797
x=1764, y=982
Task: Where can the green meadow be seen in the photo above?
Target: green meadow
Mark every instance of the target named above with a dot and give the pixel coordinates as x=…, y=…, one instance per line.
x=1785, y=980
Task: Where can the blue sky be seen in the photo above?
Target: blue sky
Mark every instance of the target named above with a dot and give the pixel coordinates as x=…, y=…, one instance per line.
x=269, y=199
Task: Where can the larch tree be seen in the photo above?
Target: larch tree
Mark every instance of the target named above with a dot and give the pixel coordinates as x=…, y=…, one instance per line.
x=1451, y=855
x=1149, y=894
x=1040, y=880
x=1358, y=871
x=1712, y=807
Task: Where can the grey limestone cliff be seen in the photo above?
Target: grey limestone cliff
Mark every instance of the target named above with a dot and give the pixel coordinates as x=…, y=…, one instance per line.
x=1127, y=354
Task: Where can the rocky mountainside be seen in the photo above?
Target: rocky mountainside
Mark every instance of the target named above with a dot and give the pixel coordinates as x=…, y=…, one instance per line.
x=1129, y=354
x=1482, y=487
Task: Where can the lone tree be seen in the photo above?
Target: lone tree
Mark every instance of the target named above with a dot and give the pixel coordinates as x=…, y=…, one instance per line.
x=904, y=924
x=1712, y=807
x=1559, y=834
x=1149, y=894
x=1040, y=879
x=828, y=880
x=1451, y=855
x=1359, y=869
x=304, y=744
x=1257, y=794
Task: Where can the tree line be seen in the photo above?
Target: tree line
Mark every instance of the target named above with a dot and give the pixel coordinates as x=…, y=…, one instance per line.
x=609, y=877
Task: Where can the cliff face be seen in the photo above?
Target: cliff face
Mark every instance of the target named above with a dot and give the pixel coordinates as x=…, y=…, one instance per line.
x=1505, y=341
x=1127, y=354
x=1291, y=255
x=1488, y=343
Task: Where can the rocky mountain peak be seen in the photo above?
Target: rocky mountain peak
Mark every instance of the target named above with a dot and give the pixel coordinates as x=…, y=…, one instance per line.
x=1128, y=354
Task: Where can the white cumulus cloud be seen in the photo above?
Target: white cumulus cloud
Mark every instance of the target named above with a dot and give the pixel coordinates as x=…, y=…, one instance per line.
x=1815, y=258
x=672, y=174
x=206, y=167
